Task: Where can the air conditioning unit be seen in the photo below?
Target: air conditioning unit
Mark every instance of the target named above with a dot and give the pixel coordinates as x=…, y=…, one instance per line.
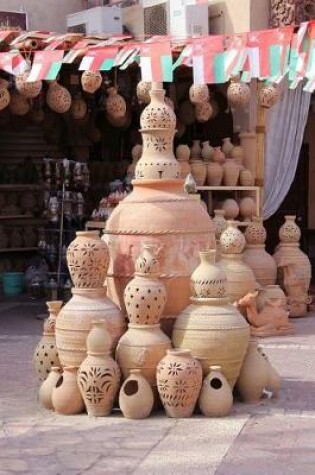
x=97, y=20
x=178, y=18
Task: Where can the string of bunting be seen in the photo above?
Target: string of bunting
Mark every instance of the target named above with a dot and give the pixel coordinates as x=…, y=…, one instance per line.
x=268, y=55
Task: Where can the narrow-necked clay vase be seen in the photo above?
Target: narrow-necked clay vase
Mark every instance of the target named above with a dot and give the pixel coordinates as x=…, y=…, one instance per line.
x=255, y=232
x=246, y=178
x=232, y=240
x=143, y=92
x=289, y=231
x=208, y=280
x=99, y=374
x=216, y=398
x=268, y=96
x=253, y=376
x=207, y=151
x=145, y=295
x=214, y=174
x=183, y=153
x=46, y=354
x=218, y=155
x=227, y=147
x=88, y=260
x=46, y=388
x=195, y=150
x=136, y=396
x=198, y=169
x=179, y=379
x=66, y=397
x=231, y=172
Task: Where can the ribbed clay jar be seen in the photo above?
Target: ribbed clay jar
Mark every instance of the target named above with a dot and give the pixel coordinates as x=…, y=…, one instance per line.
x=214, y=174
x=240, y=278
x=198, y=169
x=290, y=253
x=88, y=259
x=75, y=321
x=136, y=398
x=216, y=398
x=246, y=178
x=262, y=264
x=231, y=172
x=179, y=379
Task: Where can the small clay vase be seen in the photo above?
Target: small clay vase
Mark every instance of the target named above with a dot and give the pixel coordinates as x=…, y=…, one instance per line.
x=227, y=147
x=179, y=379
x=99, y=375
x=66, y=397
x=218, y=155
x=214, y=174
x=268, y=96
x=253, y=376
x=216, y=398
x=255, y=232
x=91, y=81
x=183, y=153
x=195, y=150
x=208, y=280
x=238, y=154
x=143, y=92
x=58, y=98
x=46, y=388
x=136, y=396
x=274, y=381
x=289, y=231
x=207, y=151
x=198, y=170
x=232, y=240
x=115, y=104
x=246, y=178
x=231, y=172
x=204, y=112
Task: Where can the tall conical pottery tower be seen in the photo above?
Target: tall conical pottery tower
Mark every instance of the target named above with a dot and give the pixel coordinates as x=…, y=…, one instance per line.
x=159, y=211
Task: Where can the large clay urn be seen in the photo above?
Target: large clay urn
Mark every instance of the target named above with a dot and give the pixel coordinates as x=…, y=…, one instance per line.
x=212, y=328
x=160, y=211
x=262, y=264
x=76, y=319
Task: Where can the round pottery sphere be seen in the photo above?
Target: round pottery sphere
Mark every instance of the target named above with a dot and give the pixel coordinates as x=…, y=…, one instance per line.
x=5, y=98
x=58, y=98
x=238, y=94
x=29, y=90
x=91, y=81
x=199, y=93
x=231, y=208
x=143, y=92
x=182, y=152
x=247, y=207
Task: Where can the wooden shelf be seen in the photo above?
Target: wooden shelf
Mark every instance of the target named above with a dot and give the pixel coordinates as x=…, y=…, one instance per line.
x=18, y=249
x=227, y=188
x=21, y=187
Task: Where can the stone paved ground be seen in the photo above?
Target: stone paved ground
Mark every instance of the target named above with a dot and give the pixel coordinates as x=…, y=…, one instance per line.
x=274, y=437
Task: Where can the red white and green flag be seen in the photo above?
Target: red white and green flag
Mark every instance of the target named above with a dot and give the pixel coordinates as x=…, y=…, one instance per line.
x=13, y=62
x=126, y=56
x=156, y=62
x=46, y=65
x=209, y=60
x=99, y=59
x=310, y=70
x=235, y=54
x=298, y=55
x=185, y=57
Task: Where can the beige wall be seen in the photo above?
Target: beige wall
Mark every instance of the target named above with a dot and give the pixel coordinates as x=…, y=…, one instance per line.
x=44, y=14
x=237, y=16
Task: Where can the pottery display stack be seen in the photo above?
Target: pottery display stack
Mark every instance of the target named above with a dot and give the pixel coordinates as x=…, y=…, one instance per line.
x=212, y=328
x=240, y=278
x=158, y=210
x=88, y=259
x=256, y=257
x=294, y=268
x=46, y=354
x=144, y=344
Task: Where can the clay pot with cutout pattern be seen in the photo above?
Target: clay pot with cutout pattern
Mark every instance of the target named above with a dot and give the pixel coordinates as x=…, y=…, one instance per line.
x=136, y=398
x=216, y=398
x=66, y=397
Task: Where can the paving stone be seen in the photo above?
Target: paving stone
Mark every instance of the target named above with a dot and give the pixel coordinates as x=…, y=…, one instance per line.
x=14, y=465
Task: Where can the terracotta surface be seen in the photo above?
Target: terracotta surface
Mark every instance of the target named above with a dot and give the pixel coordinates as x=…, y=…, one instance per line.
x=231, y=172
x=66, y=397
x=46, y=388
x=19, y=105
x=216, y=398
x=91, y=81
x=268, y=96
x=231, y=208
x=214, y=174
x=198, y=169
x=136, y=397
x=227, y=147
x=143, y=89
x=238, y=94
x=115, y=104
x=207, y=151
x=262, y=264
x=198, y=93
x=58, y=98
x=30, y=90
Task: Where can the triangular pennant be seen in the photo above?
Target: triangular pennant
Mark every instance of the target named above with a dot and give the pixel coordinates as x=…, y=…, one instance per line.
x=156, y=62
x=209, y=60
x=99, y=59
x=46, y=65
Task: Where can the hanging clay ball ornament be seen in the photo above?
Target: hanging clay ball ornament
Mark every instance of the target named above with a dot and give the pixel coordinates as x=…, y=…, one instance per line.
x=91, y=81
x=79, y=108
x=199, y=93
x=5, y=98
x=238, y=94
x=143, y=90
x=58, y=98
x=19, y=104
x=115, y=104
x=203, y=112
x=29, y=90
x=268, y=96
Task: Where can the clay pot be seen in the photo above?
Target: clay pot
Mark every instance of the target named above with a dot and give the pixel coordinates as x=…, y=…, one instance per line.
x=218, y=155
x=184, y=169
x=214, y=174
x=158, y=122
x=247, y=208
x=203, y=112
x=99, y=375
x=115, y=104
x=262, y=264
x=227, y=147
x=187, y=113
x=142, y=347
x=88, y=260
x=246, y=178
x=145, y=295
x=199, y=93
x=66, y=397
x=208, y=280
x=143, y=92
x=183, y=153
x=215, y=332
x=136, y=397
x=253, y=376
x=5, y=98
x=75, y=321
x=231, y=172
x=273, y=382
x=195, y=150
x=46, y=354
x=290, y=253
x=179, y=379
x=19, y=104
x=29, y=90
x=91, y=81
x=79, y=108
x=219, y=222
x=58, y=98
x=207, y=151
x=289, y=231
x=268, y=96
x=240, y=278
x=216, y=398
x=255, y=232
x=46, y=388
x=238, y=94
x=271, y=294
x=238, y=154
x=198, y=169
x=231, y=208
x=232, y=240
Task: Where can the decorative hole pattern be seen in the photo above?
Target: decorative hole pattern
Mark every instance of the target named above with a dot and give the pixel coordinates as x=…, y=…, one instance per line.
x=209, y=288
x=145, y=299
x=45, y=357
x=99, y=384
x=289, y=231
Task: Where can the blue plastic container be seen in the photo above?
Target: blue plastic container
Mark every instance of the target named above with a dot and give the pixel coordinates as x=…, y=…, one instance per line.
x=13, y=283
